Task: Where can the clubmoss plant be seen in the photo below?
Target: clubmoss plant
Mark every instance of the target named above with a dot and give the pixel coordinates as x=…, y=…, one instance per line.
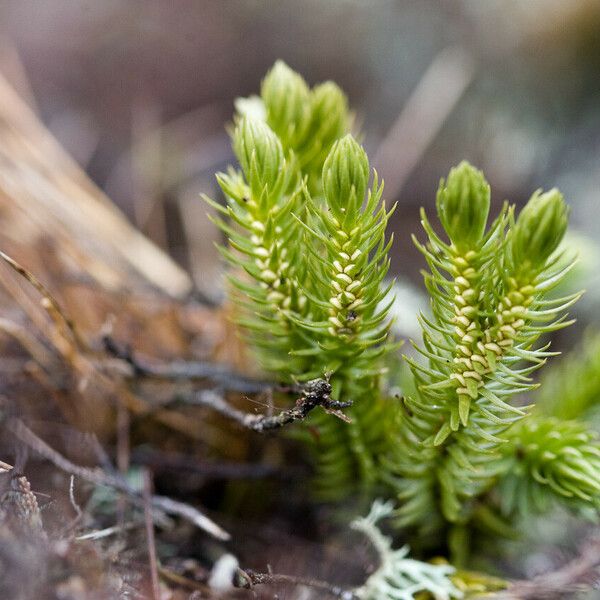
x=571, y=390
x=308, y=255
x=488, y=311
x=261, y=200
x=555, y=455
x=549, y=460
x=349, y=316
x=307, y=121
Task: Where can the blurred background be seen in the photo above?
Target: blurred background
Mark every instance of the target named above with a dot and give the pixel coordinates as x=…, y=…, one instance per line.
x=140, y=91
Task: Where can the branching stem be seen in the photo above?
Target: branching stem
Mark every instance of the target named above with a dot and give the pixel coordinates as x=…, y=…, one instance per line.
x=184, y=370
x=314, y=393
x=248, y=579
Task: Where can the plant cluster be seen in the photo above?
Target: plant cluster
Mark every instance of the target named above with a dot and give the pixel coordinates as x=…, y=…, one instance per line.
x=461, y=434
x=308, y=251
x=307, y=242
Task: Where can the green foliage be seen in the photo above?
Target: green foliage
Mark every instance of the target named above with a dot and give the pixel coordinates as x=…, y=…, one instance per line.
x=547, y=459
x=463, y=205
x=489, y=308
x=347, y=270
x=308, y=250
x=349, y=320
x=307, y=121
x=308, y=256
x=555, y=455
x=572, y=389
x=539, y=230
x=260, y=202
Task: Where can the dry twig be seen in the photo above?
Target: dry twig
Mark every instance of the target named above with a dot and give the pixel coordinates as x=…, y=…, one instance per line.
x=248, y=579
x=115, y=481
x=64, y=325
x=314, y=393
x=184, y=370
x=147, y=495
x=569, y=579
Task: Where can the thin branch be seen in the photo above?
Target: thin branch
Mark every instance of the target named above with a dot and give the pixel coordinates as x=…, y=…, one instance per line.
x=70, y=527
x=76, y=507
x=115, y=481
x=63, y=323
x=248, y=579
x=123, y=451
x=314, y=393
x=185, y=582
x=569, y=579
x=147, y=495
x=183, y=370
x=98, y=534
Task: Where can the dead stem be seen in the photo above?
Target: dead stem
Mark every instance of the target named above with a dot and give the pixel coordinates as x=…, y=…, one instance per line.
x=569, y=579
x=183, y=370
x=248, y=579
x=147, y=495
x=314, y=393
x=115, y=481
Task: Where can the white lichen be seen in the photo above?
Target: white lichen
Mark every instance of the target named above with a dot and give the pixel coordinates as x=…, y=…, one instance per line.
x=399, y=577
